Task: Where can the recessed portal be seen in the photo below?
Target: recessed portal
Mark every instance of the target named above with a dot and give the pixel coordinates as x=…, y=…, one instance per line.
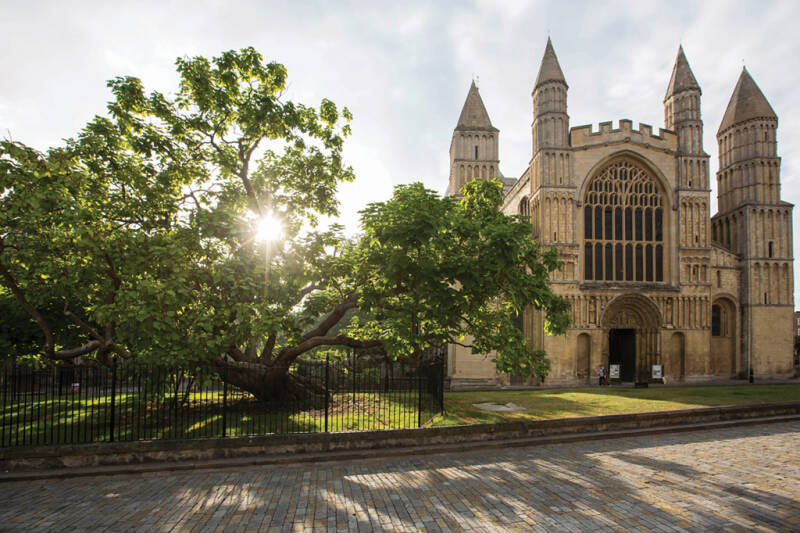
x=622, y=351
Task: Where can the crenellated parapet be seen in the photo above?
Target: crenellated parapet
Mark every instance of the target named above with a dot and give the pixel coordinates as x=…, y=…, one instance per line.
x=582, y=137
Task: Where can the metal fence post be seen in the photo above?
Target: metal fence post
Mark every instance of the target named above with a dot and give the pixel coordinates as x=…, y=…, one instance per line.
x=419, y=403
x=327, y=389
x=353, y=407
x=113, y=394
x=441, y=386
x=225, y=404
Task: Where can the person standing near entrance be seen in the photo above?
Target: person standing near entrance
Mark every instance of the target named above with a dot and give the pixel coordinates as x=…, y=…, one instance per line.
x=602, y=375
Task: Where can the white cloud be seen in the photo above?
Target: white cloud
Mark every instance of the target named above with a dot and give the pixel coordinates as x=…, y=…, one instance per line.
x=404, y=69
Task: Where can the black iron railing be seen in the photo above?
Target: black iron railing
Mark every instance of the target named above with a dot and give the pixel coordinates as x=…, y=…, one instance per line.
x=128, y=401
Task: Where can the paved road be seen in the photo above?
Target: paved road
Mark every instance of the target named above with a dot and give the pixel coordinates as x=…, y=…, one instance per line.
x=737, y=479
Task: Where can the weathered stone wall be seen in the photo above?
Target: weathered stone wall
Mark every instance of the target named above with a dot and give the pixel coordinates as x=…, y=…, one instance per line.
x=269, y=449
x=773, y=342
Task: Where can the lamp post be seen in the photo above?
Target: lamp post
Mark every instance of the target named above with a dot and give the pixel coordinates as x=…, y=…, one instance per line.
x=268, y=228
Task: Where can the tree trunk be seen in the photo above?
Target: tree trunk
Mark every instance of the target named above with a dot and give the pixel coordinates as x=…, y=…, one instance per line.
x=274, y=384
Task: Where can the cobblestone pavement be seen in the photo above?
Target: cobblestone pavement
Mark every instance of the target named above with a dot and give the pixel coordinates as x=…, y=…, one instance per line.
x=734, y=479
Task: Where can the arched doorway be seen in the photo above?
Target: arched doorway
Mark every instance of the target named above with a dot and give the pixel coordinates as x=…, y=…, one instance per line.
x=631, y=331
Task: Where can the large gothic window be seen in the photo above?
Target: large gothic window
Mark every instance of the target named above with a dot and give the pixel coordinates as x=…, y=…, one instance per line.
x=623, y=221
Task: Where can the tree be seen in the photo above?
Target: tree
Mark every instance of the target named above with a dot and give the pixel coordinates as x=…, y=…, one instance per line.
x=142, y=231
x=437, y=270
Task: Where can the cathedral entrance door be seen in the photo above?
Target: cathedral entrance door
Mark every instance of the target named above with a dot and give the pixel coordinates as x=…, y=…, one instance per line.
x=622, y=351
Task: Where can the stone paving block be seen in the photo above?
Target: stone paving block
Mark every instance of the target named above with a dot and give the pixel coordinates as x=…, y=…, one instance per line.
x=734, y=479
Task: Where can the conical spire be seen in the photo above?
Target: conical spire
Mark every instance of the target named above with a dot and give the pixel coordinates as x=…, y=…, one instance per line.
x=747, y=102
x=474, y=115
x=549, y=70
x=682, y=77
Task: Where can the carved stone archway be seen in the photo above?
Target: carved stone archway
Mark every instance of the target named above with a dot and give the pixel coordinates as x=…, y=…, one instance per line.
x=639, y=313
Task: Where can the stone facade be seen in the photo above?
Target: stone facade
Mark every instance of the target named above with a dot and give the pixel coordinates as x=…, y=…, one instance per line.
x=653, y=279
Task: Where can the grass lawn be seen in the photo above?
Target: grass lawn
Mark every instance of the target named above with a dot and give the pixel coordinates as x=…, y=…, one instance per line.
x=27, y=420
x=595, y=401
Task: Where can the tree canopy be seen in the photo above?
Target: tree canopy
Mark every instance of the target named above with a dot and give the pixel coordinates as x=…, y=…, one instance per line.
x=140, y=238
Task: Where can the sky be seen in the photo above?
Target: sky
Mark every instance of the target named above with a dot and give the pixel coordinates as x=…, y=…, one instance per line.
x=404, y=68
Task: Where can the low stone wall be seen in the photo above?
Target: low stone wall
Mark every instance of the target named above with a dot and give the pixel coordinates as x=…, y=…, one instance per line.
x=126, y=453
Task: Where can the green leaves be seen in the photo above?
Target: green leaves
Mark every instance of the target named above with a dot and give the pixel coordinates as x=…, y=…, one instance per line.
x=137, y=238
x=434, y=270
x=140, y=227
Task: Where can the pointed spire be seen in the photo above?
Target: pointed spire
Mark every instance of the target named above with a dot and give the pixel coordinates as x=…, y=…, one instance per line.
x=747, y=102
x=549, y=70
x=682, y=77
x=474, y=115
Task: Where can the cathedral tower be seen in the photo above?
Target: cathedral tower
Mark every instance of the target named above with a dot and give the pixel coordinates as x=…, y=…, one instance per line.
x=474, y=147
x=753, y=222
x=551, y=186
x=550, y=129
x=682, y=115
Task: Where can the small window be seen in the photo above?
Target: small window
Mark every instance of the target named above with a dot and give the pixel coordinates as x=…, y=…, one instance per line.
x=766, y=298
x=476, y=152
x=719, y=279
x=716, y=321
x=770, y=249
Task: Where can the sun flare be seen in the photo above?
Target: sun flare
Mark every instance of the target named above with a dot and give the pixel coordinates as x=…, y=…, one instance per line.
x=268, y=228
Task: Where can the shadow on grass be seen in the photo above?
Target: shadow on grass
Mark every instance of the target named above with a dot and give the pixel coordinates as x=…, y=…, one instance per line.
x=141, y=417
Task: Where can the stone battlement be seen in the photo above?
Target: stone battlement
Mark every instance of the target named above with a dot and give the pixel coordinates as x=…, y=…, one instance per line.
x=581, y=136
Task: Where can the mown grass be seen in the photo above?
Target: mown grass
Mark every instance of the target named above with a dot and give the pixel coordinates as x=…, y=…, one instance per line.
x=596, y=401
x=27, y=420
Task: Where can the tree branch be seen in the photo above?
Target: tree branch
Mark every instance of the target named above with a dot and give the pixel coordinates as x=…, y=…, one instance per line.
x=461, y=344
x=49, y=343
x=72, y=353
x=266, y=353
x=288, y=354
x=236, y=354
x=244, y=175
x=332, y=319
x=81, y=324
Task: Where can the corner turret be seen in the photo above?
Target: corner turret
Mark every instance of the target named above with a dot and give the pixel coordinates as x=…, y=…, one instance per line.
x=550, y=119
x=474, y=148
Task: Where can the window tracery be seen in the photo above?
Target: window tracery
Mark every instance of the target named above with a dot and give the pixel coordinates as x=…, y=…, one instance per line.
x=623, y=225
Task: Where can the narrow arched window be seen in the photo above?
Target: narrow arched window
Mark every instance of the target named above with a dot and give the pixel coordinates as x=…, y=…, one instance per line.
x=524, y=206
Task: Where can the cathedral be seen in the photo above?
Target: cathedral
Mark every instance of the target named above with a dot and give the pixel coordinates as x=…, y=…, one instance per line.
x=658, y=287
